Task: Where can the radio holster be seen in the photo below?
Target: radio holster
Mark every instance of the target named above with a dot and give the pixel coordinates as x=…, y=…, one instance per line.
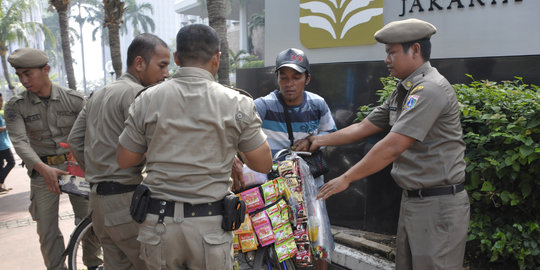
x=139, y=203
x=234, y=213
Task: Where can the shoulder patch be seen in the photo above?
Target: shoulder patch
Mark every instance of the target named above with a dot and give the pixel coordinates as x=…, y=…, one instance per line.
x=10, y=114
x=411, y=102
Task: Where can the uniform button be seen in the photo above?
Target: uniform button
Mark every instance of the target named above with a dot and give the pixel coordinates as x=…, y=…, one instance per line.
x=239, y=116
x=210, y=213
x=161, y=211
x=163, y=202
x=192, y=214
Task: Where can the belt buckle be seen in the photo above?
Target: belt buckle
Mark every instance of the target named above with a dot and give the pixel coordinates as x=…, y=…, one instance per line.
x=56, y=160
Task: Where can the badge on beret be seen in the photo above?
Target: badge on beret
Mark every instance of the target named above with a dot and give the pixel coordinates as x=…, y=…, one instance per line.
x=411, y=102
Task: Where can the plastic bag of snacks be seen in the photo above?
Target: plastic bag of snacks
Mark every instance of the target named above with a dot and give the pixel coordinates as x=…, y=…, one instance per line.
x=318, y=225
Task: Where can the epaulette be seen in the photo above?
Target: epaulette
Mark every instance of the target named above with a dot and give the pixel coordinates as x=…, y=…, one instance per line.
x=241, y=91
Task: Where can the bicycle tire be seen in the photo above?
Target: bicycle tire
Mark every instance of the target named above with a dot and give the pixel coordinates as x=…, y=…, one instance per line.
x=266, y=258
x=75, y=256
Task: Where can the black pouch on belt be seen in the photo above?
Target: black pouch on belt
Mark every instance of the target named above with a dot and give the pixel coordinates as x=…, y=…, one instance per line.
x=139, y=203
x=234, y=212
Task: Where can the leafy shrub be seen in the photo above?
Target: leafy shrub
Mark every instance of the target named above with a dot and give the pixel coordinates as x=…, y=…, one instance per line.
x=501, y=127
x=253, y=64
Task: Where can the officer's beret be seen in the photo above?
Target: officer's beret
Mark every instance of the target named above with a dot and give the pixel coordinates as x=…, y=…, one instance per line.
x=405, y=31
x=28, y=58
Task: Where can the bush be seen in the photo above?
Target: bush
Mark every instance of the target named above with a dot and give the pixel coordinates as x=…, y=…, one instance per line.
x=501, y=127
x=253, y=64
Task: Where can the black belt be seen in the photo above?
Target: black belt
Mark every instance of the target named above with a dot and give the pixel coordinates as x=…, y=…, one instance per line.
x=54, y=159
x=198, y=210
x=111, y=188
x=435, y=191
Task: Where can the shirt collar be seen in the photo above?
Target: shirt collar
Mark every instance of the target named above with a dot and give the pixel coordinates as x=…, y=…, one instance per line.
x=54, y=95
x=128, y=76
x=193, y=72
x=419, y=72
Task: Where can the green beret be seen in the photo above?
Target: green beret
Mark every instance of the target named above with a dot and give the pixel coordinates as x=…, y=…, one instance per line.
x=28, y=58
x=405, y=31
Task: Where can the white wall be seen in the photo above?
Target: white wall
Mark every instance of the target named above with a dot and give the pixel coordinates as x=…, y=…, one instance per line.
x=507, y=29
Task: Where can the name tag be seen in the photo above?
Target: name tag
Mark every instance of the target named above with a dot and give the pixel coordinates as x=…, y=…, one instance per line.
x=392, y=108
x=65, y=113
x=32, y=118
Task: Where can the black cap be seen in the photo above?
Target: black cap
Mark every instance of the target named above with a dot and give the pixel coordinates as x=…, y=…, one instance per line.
x=293, y=58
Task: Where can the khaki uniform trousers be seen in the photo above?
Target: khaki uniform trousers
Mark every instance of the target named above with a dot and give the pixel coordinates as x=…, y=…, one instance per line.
x=116, y=230
x=44, y=210
x=193, y=243
x=432, y=232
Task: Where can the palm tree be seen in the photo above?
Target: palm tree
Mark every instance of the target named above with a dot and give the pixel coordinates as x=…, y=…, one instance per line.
x=62, y=7
x=88, y=7
x=217, y=20
x=114, y=9
x=135, y=15
x=99, y=18
x=13, y=28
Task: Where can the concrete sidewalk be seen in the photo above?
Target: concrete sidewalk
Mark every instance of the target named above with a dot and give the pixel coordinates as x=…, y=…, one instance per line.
x=19, y=243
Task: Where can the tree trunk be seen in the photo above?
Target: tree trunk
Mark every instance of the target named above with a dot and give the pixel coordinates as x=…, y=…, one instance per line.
x=62, y=9
x=6, y=73
x=217, y=20
x=114, y=11
x=82, y=50
x=114, y=45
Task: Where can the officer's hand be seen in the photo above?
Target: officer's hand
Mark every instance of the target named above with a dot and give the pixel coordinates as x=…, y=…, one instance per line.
x=50, y=176
x=313, y=143
x=237, y=175
x=334, y=186
x=301, y=145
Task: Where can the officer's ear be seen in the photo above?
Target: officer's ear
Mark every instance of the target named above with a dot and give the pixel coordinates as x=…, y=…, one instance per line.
x=308, y=78
x=139, y=63
x=416, y=49
x=176, y=60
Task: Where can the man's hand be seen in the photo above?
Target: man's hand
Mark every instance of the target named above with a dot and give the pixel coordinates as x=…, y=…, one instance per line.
x=334, y=186
x=313, y=143
x=301, y=145
x=50, y=176
x=237, y=175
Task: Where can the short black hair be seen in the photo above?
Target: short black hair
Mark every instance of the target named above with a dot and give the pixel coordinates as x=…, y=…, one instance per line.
x=143, y=45
x=196, y=43
x=425, y=47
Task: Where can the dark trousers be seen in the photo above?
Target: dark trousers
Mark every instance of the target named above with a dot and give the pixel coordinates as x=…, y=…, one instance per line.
x=10, y=163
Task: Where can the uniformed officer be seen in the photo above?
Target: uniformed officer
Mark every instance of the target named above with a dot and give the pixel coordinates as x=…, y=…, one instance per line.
x=38, y=119
x=94, y=139
x=190, y=128
x=425, y=145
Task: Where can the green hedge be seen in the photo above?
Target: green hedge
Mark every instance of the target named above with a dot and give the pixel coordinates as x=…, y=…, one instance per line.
x=501, y=127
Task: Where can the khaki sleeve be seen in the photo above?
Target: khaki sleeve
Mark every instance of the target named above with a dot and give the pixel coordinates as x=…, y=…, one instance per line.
x=76, y=137
x=252, y=135
x=380, y=116
x=422, y=108
x=17, y=133
x=133, y=136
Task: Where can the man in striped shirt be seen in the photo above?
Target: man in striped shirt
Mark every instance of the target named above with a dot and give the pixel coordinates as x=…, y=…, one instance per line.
x=308, y=112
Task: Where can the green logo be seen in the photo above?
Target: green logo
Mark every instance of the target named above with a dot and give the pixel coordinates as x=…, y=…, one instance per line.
x=333, y=23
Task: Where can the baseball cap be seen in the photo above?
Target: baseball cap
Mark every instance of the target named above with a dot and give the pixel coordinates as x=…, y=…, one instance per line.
x=293, y=58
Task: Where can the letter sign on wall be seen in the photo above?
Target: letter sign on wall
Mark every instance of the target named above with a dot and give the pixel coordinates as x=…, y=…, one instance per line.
x=334, y=23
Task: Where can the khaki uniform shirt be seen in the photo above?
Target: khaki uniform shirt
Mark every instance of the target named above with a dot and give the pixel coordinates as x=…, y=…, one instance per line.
x=37, y=126
x=94, y=137
x=424, y=107
x=190, y=128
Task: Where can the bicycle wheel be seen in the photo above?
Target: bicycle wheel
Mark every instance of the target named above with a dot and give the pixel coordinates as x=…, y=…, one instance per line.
x=83, y=238
x=266, y=258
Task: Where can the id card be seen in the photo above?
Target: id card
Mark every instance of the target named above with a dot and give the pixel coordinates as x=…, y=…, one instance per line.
x=74, y=185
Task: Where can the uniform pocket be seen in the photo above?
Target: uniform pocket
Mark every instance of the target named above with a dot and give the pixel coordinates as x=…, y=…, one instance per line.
x=116, y=209
x=150, y=250
x=32, y=208
x=217, y=249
